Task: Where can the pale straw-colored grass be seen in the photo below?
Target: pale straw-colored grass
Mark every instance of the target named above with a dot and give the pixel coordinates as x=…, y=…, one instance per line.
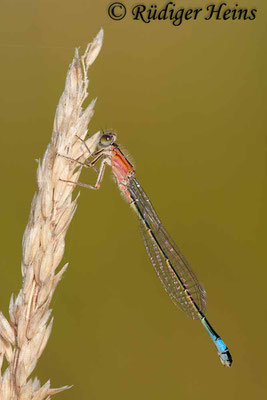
x=24, y=336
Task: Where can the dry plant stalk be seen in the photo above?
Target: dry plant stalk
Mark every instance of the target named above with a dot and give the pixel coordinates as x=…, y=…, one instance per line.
x=24, y=337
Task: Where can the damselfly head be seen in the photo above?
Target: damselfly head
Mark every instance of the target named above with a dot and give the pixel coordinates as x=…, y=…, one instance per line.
x=107, y=139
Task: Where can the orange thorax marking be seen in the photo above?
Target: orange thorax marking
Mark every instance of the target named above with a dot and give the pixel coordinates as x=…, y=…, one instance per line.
x=121, y=167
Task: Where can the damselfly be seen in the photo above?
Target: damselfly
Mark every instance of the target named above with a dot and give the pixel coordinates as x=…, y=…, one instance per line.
x=173, y=270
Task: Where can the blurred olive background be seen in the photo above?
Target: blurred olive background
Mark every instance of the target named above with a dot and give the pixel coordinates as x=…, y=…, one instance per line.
x=189, y=104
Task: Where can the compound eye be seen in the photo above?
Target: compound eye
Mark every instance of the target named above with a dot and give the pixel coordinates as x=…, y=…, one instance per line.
x=106, y=139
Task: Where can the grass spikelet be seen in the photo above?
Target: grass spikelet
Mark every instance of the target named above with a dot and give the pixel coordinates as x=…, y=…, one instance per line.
x=24, y=337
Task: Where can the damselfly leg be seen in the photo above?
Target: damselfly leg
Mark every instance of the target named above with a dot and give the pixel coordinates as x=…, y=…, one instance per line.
x=99, y=177
x=84, y=142
x=86, y=165
x=75, y=160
